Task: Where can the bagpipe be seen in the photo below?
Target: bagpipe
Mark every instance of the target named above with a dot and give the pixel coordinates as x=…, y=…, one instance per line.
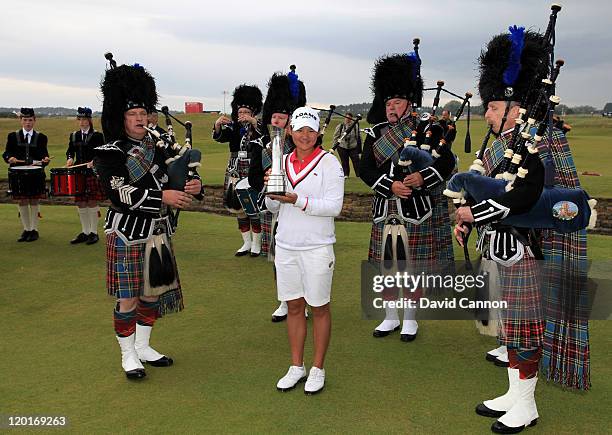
x=419, y=150
x=561, y=209
x=182, y=161
x=427, y=142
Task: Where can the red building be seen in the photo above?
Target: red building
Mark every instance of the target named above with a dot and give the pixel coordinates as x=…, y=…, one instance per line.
x=193, y=107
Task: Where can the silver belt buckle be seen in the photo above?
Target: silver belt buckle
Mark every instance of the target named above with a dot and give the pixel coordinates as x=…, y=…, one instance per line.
x=242, y=155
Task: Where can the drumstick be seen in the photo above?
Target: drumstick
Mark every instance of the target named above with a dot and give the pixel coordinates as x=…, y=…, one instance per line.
x=40, y=161
x=76, y=166
x=36, y=161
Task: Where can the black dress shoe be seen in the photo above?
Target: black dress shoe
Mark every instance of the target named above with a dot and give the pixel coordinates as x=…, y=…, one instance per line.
x=276, y=319
x=407, y=338
x=499, y=427
x=490, y=358
x=500, y=363
x=482, y=409
x=378, y=333
x=92, y=238
x=82, y=237
x=136, y=374
x=24, y=236
x=33, y=236
x=164, y=361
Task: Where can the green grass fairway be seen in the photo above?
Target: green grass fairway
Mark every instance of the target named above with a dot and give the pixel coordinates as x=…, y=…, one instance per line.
x=590, y=139
x=60, y=356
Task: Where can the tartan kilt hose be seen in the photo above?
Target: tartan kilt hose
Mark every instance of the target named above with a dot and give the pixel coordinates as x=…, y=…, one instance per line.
x=125, y=274
x=522, y=322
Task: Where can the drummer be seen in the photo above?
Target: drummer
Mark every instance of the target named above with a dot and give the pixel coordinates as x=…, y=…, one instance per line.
x=80, y=153
x=27, y=147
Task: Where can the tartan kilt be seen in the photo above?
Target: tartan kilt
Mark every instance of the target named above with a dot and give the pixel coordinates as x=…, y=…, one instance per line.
x=522, y=322
x=20, y=197
x=267, y=238
x=430, y=241
x=125, y=274
x=94, y=191
x=242, y=168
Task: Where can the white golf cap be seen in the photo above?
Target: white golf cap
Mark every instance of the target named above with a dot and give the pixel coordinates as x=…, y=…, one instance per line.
x=305, y=117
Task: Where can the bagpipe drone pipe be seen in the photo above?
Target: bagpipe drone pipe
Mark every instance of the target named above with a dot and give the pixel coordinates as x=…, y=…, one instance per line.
x=330, y=113
x=561, y=209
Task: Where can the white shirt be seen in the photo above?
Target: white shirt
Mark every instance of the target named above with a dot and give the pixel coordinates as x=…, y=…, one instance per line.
x=309, y=223
x=27, y=138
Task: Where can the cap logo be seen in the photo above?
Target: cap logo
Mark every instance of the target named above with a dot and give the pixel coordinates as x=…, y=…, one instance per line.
x=306, y=115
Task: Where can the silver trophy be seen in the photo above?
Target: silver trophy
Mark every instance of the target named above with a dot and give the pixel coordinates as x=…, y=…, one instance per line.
x=276, y=180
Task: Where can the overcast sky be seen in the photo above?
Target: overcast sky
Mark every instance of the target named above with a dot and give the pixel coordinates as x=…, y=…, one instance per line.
x=51, y=52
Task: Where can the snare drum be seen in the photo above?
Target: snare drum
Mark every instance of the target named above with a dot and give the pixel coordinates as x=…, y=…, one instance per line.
x=247, y=197
x=68, y=181
x=26, y=182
